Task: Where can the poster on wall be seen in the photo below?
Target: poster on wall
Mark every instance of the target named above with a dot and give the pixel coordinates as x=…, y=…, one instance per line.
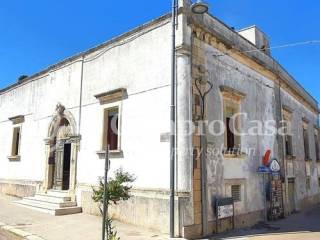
x=224, y=210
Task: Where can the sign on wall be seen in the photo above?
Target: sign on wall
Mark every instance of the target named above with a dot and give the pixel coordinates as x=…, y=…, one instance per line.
x=225, y=211
x=274, y=166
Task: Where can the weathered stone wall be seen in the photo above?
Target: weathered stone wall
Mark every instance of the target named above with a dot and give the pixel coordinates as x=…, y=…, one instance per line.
x=261, y=103
x=146, y=208
x=300, y=112
x=19, y=188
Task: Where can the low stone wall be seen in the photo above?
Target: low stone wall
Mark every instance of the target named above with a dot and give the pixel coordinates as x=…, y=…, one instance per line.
x=241, y=221
x=19, y=188
x=149, y=209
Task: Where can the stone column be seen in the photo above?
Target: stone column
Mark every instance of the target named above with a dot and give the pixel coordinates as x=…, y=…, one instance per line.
x=45, y=184
x=75, y=143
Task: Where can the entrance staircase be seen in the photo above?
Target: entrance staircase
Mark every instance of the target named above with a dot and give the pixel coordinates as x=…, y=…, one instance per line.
x=53, y=202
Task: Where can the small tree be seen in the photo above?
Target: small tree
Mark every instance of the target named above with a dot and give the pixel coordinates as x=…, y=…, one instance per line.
x=118, y=190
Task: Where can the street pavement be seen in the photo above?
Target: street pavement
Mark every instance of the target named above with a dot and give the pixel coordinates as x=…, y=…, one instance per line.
x=3, y=237
x=70, y=227
x=300, y=226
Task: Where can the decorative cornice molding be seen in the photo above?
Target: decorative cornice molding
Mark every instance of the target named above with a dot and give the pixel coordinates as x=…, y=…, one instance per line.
x=17, y=119
x=229, y=92
x=112, y=96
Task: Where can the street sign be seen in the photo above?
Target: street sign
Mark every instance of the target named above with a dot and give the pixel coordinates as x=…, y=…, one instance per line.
x=225, y=211
x=264, y=169
x=274, y=166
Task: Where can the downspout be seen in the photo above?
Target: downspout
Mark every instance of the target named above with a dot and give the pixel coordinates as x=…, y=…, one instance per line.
x=173, y=119
x=80, y=97
x=284, y=198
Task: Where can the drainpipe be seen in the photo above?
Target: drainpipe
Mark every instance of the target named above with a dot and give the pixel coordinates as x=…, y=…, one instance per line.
x=280, y=138
x=173, y=117
x=80, y=97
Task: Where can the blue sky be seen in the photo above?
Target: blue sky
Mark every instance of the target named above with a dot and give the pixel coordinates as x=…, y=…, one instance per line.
x=36, y=34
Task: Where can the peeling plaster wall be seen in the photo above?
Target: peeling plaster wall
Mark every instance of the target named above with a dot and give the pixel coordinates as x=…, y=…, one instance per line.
x=259, y=105
x=299, y=164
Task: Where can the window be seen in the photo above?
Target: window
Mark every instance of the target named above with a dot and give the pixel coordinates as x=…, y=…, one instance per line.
x=232, y=99
x=316, y=140
x=306, y=144
x=15, y=150
x=308, y=183
x=230, y=132
x=288, y=138
x=232, y=141
x=236, y=193
x=17, y=122
x=110, y=129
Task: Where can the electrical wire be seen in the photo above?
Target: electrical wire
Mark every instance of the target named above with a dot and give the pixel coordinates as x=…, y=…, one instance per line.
x=275, y=47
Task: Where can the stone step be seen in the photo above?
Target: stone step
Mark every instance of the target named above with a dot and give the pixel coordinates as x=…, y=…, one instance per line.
x=57, y=193
x=49, y=209
x=52, y=198
x=50, y=202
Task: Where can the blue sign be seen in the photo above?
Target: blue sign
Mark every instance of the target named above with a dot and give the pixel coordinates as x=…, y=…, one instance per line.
x=264, y=169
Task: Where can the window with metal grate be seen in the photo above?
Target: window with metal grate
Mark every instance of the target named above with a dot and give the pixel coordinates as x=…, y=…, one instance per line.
x=236, y=193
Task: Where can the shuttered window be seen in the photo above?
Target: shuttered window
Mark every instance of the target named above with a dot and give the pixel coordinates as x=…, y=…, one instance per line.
x=306, y=144
x=230, y=135
x=316, y=139
x=111, y=128
x=236, y=193
x=308, y=183
x=16, y=141
x=288, y=138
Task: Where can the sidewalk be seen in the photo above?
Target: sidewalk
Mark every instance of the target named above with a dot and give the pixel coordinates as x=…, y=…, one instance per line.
x=70, y=227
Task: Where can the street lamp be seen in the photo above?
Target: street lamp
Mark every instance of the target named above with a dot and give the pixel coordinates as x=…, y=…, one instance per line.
x=197, y=8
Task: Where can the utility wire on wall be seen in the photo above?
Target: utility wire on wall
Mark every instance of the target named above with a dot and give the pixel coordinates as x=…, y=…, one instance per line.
x=275, y=47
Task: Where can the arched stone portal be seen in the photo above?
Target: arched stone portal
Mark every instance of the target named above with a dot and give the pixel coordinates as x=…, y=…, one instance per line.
x=62, y=145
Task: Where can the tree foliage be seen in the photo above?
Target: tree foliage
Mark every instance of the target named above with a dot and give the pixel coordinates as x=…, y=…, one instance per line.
x=118, y=189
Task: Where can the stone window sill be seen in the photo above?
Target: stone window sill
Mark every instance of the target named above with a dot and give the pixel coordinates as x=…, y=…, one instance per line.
x=16, y=158
x=290, y=157
x=234, y=156
x=112, y=153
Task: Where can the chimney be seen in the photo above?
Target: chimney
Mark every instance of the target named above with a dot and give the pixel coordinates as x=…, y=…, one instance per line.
x=257, y=37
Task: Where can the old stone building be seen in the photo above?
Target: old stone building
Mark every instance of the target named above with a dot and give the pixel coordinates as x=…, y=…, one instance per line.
x=55, y=125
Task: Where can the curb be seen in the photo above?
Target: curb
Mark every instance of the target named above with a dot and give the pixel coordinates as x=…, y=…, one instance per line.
x=18, y=232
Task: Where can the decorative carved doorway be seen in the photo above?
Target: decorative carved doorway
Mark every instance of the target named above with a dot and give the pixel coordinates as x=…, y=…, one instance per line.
x=62, y=147
x=61, y=178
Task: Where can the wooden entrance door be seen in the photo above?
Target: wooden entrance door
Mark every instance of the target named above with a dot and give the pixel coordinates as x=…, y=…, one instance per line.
x=62, y=166
x=291, y=194
x=58, y=166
